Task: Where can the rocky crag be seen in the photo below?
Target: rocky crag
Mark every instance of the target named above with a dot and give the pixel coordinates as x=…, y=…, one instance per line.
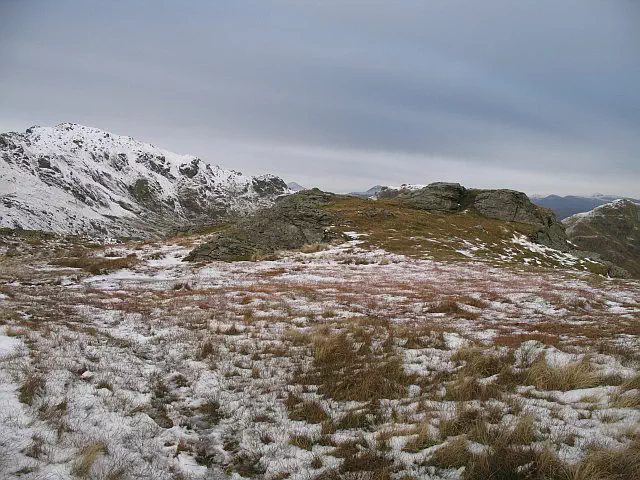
x=305, y=218
x=506, y=205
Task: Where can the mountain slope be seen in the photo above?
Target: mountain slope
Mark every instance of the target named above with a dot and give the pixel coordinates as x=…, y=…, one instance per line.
x=569, y=205
x=611, y=230
x=74, y=179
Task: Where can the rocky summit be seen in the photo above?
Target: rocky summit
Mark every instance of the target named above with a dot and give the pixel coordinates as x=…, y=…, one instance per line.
x=612, y=231
x=477, y=223
x=73, y=179
x=501, y=204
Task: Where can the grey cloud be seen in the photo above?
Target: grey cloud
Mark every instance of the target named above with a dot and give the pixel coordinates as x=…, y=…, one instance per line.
x=343, y=93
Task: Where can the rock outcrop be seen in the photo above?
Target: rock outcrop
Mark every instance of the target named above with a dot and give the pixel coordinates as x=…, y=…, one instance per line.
x=506, y=205
x=612, y=231
x=292, y=222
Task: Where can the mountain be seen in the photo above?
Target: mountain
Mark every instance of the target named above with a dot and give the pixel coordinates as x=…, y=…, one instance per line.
x=371, y=193
x=295, y=187
x=611, y=230
x=74, y=179
x=570, y=205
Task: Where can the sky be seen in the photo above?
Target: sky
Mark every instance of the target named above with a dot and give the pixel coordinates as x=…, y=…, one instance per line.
x=541, y=96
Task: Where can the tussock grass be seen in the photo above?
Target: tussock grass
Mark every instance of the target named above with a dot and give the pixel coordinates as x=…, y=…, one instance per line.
x=14, y=332
x=566, y=377
x=462, y=422
x=376, y=464
x=314, y=247
x=481, y=361
x=451, y=307
x=32, y=386
x=307, y=411
x=97, y=265
x=361, y=419
x=470, y=388
x=424, y=438
x=611, y=464
x=301, y=441
x=82, y=466
x=344, y=373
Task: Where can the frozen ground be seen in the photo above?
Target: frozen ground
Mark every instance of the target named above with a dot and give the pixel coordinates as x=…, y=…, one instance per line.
x=343, y=363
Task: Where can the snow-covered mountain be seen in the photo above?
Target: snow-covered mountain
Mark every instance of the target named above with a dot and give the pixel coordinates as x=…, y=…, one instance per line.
x=386, y=190
x=74, y=179
x=295, y=187
x=569, y=205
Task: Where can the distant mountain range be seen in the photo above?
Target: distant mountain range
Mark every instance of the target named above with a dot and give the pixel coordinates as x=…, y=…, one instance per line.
x=571, y=204
x=74, y=179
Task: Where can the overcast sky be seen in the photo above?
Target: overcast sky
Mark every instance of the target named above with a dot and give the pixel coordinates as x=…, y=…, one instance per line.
x=541, y=96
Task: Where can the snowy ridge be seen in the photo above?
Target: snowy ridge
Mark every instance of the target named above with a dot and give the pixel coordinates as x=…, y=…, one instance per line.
x=81, y=180
x=603, y=209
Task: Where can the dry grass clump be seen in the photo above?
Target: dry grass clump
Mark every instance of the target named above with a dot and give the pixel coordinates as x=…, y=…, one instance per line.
x=471, y=388
x=314, y=247
x=509, y=454
x=32, y=386
x=375, y=464
x=97, y=265
x=566, y=377
x=343, y=372
x=451, y=307
x=423, y=439
x=462, y=422
x=625, y=399
x=611, y=464
x=361, y=419
x=301, y=441
x=481, y=361
x=307, y=411
x=14, y=332
x=451, y=455
x=88, y=456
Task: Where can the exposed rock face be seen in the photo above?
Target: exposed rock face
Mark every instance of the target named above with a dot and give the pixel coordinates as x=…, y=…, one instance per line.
x=506, y=205
x=439, y=196
x=612, y=231
x=73, y=179
x=293, y=221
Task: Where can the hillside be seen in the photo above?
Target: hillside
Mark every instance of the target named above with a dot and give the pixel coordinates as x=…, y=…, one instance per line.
x=497, y=227
x=348, y=360
x=81, y=180
x=565, y=206
x=611, y=230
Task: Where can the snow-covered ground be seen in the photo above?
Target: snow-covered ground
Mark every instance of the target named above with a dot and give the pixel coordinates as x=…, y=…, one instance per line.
x=336, y=362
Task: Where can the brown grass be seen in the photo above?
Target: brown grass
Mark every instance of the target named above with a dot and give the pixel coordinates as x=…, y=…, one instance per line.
x=344, y=373
x=32, y=386
x=307, y=411
x=451, y=307
x=88, y=456
x=480, y=361
x=423, y=439
x=301, y=441
x=97, y=265
x=567, y=377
